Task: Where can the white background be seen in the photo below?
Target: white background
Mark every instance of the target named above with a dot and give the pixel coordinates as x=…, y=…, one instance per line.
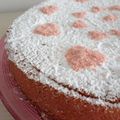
x=16, y=5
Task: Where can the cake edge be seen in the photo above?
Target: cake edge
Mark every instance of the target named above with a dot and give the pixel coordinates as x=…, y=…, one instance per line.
x=59, y=105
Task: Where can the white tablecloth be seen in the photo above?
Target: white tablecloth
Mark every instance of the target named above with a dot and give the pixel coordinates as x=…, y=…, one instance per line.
x=5, y=20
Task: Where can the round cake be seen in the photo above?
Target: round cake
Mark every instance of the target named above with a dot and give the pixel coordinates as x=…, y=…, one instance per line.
x=65, y=56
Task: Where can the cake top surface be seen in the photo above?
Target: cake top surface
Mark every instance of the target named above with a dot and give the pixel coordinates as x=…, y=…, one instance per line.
x=75, y=43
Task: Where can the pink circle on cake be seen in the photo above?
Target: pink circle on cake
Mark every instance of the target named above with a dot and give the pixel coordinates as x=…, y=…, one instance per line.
x=110, y=18
x=97, y=35
x=115, y=32
x=48, y=29
x=79, y=24
x=49, y=9
x=80, y=14
x=96, y=9
x=82, y=1
x=79, y=57
x=115, y=7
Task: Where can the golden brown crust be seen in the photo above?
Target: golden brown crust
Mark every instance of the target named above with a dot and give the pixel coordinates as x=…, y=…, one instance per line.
x=58, y=105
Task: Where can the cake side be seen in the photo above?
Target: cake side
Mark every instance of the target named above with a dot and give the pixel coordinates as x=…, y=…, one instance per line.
x=58, y=105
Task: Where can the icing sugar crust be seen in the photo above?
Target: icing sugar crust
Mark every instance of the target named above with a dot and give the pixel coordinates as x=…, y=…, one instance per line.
x=33, y=53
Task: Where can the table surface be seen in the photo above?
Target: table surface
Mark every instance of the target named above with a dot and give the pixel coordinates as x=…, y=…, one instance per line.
x=5, y=20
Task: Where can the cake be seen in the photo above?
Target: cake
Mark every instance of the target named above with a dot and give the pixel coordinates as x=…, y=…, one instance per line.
x=65, y=56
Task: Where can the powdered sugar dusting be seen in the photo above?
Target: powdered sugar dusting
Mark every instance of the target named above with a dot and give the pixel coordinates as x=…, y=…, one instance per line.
x=34, y=52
